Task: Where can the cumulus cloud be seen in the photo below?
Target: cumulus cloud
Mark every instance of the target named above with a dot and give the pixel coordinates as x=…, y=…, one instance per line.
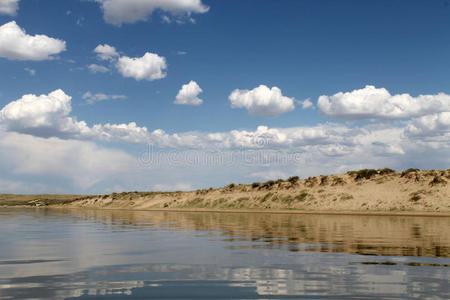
x=302, y=151
x=310, y=150
x=377, y=103
x=328, y=147
x=16, y=44
x=106, y=52
x=63, y=145
x=31, y=112
x=117, y=12
x=149, y=67
x=430, y=125
x=94, y=68
x=262, y=100
x=49, y=116
x=129, y=133
x=277, y=138
x=188, y=94
x=93, y=98
x=9, y=7
x=307, y=104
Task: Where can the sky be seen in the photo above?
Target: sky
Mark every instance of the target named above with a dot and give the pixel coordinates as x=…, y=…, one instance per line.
x=100, y=96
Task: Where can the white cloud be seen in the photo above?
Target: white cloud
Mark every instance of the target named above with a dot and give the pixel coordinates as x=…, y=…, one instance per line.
x=93, y=98
x=307, y=104
x=106, y=52
x=150, y=67
x=128, y=133
x=302, y=151
x=188, y=94
x=117, y=12
x=378, y=103
x=15, y=44
x=210, y=158
x=33, y=111
x=276, y=138
x=80, y=162
x=32, y=72
x=430, y=125
x=166, y=19
x=9, y=7
x=48, y=116
x=45, y=122
x=94, y=68
x=262, y=101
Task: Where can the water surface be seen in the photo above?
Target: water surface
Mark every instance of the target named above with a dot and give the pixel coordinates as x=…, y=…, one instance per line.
x=94, y=254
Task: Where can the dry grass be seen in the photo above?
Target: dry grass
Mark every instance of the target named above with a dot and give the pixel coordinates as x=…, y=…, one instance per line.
x=40, y=199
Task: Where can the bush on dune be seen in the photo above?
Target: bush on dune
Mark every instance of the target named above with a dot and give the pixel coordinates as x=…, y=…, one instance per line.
x=386, y=171
x=409, y=171
x=365, y=174
x=293, y=179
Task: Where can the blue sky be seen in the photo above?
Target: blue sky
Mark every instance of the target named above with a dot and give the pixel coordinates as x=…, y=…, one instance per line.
x=304, y=49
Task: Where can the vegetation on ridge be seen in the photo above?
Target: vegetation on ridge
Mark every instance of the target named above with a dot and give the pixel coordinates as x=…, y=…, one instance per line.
x=362, y=190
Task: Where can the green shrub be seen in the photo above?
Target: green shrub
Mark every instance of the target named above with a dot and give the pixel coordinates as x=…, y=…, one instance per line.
x=415, y=197
x=365, y=174
x=231, y=186
x=302, y=196
x=437, y=180
x=386, y=171
x=408, y=171
x=256, y=184
x=293, y=179
x=268, y=184
x=323, y=180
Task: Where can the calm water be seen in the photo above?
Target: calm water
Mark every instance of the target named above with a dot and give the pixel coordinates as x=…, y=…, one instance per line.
x=81, y=254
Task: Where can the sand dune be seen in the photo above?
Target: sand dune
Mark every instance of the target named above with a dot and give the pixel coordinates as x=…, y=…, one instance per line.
x=360, y=191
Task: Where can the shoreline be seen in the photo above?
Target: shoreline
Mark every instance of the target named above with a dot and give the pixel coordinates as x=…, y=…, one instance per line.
x=381, y=192
x=249, y=211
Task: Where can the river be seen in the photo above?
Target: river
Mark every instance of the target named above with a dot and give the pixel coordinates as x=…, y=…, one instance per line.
x=112, y=254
